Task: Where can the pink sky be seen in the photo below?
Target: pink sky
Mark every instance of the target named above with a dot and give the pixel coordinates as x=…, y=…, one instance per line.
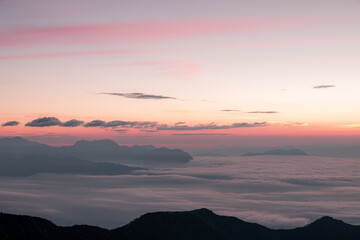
x=179, y=65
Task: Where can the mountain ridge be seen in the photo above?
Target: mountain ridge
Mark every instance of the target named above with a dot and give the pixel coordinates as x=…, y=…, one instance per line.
x=99, y=150
x=195, y=224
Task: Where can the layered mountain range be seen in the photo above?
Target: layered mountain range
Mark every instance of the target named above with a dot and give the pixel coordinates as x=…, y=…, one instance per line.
x=21, y=157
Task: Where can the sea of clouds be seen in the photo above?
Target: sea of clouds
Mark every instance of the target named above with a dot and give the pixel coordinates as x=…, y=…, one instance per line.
x=276, y=191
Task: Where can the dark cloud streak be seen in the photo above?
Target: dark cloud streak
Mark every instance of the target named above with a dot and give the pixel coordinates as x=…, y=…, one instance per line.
x=131, y=124
x=117, y=123
x=95, y=123
x=199, y=134
x=139, y=96
x=264, y=112
x=10, y=124
x=53, y=121
x=211, y=126
x=324, y=86
x=121, y=126
x=72, y=123
x=230, y=110
x=44, y=122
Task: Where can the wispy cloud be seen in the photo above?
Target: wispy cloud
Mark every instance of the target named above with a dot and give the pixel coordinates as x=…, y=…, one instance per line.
x=180, y=111
x=303, y=42
x=260, y=112
x=264, y=112
x=211, y=126
x=210, y=101
x=142, y=31
x=289, y=124
x=121, y=130
x=199, y=134
x=350, y=125
x=323, y=86
x=184, y=69
x=148, y=130
x=70, y=54
x=138, y=95
x=230, y=110
x=10, y=124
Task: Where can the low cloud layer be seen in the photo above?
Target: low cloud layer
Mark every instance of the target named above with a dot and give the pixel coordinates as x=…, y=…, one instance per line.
x=279, y=192
x=139, y=96
x=211, y=126
x=10, y=124
x=230, y=110
x=324, y=86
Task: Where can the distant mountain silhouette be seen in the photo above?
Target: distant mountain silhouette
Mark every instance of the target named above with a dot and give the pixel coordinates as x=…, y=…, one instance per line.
x=324, y=150
x=278, y=152
x=14, y=166
x=333, y=150
x=98, y=150
x=108, y=149
x=189, y=225
x=18, y=145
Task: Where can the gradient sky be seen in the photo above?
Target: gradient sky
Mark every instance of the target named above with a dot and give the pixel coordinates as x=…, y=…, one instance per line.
x=216, y=69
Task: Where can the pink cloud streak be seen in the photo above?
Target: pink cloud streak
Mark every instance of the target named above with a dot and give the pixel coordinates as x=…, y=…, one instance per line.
x=296, y=42
x=71, y=54
x=141, y=31
x=185, y=69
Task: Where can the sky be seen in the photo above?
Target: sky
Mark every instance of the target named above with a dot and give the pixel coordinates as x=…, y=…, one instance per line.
x=200, y=74
x=168, y=72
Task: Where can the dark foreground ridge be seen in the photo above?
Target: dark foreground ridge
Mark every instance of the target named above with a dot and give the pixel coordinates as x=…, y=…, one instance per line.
x=190, y=225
